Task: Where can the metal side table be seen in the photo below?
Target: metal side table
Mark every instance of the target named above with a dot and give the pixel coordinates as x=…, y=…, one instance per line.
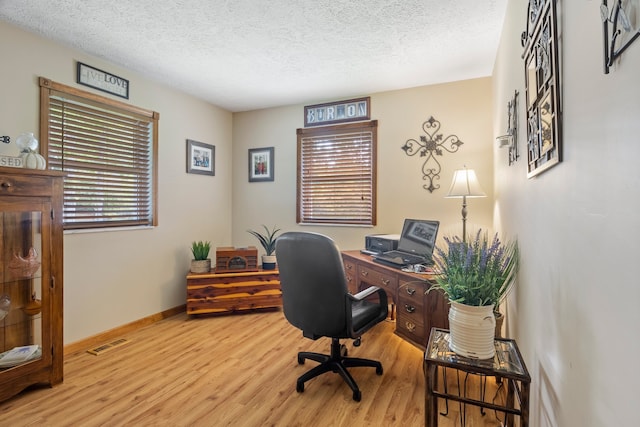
x=507, y=365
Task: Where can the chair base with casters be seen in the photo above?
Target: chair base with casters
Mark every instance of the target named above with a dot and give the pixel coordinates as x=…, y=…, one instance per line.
x=336, y=362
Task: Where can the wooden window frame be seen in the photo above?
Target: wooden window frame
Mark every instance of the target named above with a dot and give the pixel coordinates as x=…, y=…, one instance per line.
x=333, y=211
x=49, y=89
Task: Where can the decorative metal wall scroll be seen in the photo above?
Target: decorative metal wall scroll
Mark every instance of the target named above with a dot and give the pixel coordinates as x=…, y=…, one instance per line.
x=544, y=110
x=429, y=146
x=511, y=138
x=617, y=16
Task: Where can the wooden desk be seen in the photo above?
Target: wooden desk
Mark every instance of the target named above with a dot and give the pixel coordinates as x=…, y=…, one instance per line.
x=212, y=293
x=417, y=312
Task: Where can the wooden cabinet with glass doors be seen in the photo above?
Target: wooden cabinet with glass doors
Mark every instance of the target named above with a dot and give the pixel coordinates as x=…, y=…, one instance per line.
x=30, y=279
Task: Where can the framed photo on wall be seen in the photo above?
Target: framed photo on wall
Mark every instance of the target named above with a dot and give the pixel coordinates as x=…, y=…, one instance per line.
x=261, y=164
x=201, y=158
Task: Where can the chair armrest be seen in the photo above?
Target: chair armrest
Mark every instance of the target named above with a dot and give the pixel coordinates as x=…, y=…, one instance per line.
x=357, y=306
x=365, y=293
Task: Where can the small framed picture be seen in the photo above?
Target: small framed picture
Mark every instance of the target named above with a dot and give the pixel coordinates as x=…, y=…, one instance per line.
x=201, y=158
x=261, y=164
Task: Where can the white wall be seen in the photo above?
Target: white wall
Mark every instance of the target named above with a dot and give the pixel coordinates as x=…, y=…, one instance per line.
x=575, y=313
x=116, y=277
x=463, y=108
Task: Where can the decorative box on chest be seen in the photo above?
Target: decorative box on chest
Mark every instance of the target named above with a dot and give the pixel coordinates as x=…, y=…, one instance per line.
x=233, y=260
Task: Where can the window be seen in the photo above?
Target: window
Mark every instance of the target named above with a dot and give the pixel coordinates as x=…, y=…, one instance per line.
x=337, y=174
x=108, y=150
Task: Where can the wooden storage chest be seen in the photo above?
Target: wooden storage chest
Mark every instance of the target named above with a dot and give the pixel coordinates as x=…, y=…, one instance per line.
x=220, y=293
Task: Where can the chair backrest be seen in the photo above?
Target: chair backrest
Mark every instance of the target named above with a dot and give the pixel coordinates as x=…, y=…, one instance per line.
x=313, y=282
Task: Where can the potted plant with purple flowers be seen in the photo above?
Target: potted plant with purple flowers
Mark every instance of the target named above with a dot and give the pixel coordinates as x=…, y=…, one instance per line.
x=476, y=275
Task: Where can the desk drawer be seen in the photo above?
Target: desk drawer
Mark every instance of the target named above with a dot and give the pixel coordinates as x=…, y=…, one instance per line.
x=412, y=295
x=410, y=305
x=411, y=326
x=350, y=270
x=386, y=281
x=410, y=311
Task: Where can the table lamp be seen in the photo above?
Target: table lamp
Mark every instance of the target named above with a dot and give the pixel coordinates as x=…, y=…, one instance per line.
x=465, y=184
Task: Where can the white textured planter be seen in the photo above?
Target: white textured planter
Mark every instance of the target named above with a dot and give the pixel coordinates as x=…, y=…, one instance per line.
x=268, y=262
x=472, y=330
x=201, y=266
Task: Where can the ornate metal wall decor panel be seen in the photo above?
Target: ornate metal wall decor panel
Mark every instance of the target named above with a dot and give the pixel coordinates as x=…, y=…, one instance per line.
x=429, y=146
x=542, y=82
x=510, y=139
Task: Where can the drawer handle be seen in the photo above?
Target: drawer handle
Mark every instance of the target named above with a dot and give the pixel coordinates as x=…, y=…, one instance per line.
x=409, y=308
x=411, y=291
x=365, y=273
x=410, y=326
x=385, y=281
x=348, y=266
x=6, y=184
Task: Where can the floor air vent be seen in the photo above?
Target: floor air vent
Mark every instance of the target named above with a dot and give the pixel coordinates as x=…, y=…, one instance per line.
x=108, y=346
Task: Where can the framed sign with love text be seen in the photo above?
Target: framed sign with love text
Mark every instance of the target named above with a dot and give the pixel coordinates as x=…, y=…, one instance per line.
x=101, y=80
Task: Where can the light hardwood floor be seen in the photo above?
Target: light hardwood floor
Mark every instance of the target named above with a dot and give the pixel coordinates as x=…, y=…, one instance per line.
x=231, y=371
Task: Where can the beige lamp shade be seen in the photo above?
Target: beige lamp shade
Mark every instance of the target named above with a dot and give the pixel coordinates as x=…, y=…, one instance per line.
x=465, y=184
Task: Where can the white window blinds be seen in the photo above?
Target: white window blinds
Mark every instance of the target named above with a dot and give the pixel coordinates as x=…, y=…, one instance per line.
x=337, y=174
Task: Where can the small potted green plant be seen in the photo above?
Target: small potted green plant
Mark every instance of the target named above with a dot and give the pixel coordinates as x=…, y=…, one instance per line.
x=476, y=275
x=268, y=242
x=201, y=262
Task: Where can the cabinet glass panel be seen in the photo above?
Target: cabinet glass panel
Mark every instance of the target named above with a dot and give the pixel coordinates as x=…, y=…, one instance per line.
x=21, y=288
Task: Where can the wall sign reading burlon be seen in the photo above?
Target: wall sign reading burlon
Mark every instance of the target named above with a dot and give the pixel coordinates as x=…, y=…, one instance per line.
x=336, y=112
x=101, y=80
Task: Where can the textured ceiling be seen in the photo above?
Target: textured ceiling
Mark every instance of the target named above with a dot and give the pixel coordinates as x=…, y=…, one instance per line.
x=250, y=54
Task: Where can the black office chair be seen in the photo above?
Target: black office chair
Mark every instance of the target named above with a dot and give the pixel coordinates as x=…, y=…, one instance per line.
x=316, y=300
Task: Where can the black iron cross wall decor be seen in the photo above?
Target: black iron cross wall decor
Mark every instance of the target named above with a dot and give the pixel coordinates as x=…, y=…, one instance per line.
x=430, y=145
